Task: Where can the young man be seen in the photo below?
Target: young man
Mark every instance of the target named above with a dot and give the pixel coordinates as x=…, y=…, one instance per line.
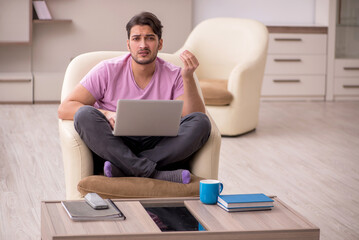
x=139, y=75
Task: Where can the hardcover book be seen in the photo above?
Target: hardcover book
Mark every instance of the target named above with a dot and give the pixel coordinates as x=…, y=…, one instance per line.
x=243, y=209
x=245, y=200
x=82, y=211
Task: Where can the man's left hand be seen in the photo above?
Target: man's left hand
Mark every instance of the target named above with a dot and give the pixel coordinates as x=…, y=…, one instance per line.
x=190, y=64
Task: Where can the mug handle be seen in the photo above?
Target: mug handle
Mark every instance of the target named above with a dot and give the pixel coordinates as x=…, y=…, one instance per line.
x=220, y=187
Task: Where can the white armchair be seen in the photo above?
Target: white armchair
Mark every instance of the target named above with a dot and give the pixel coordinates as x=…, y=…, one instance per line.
x=77, y=158
x=232, y=53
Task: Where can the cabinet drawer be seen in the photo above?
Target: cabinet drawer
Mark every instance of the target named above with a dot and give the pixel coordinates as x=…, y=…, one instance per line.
x=289, y=85
x=347, y=68
x=347, y=86
x=297, y=43
x=47, y=86
x=296, y=64
x=15, y=90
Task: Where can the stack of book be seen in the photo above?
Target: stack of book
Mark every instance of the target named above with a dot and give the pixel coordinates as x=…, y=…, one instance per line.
x=245, y=202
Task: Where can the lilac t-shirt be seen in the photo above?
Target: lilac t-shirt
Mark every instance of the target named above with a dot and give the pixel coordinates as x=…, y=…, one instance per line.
x=113, y=79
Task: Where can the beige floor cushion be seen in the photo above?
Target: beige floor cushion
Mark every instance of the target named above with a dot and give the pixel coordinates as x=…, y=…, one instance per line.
x=137, y=187
x=215, y=92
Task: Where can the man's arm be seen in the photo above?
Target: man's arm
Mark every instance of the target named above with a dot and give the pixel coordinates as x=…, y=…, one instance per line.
x=191, y=97
x=79, y=97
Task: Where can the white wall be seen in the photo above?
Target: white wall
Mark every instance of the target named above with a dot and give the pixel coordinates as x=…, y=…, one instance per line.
x=100, y=25
x=266, y=11
x=97, y=25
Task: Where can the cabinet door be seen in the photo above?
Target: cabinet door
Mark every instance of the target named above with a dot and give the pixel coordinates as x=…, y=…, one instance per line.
x=16, y=87
x=347, y=68
x=346, y=77
x=293, y=85
x=15, y=21
x=296, y=64
x=280, y=43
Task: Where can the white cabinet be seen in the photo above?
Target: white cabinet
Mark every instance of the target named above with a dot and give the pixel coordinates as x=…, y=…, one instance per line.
x=15, y=21
x=16, y=87
x=47, y=87
x=346, y=62
x=346, y=75
x=18, y=82
x=296, y=66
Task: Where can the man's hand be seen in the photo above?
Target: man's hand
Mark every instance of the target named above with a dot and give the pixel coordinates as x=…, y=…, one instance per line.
x=190, y=64
x=111, y=117
x=191, y=97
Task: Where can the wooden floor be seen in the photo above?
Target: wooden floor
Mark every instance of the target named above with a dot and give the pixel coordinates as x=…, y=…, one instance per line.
x=306, y=153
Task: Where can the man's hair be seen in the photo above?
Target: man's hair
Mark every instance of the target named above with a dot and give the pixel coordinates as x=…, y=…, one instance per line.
x=145, y=18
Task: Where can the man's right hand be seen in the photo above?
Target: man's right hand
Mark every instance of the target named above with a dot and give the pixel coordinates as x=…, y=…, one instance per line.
x=111, y=117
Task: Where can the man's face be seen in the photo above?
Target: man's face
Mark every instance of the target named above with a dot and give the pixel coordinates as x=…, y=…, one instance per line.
x=143, y=44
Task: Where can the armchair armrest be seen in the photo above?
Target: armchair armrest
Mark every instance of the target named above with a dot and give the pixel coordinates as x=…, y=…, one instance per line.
x=205, y=162
x=246, y=79
x=77, y=158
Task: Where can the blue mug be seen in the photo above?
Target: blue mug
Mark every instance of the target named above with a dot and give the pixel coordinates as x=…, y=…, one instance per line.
x=209, y=191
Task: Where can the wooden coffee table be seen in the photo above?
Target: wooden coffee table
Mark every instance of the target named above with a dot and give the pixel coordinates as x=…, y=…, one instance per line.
x=281, y=222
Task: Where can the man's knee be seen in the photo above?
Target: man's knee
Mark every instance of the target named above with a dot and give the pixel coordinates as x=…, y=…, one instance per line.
x=205, y=125
x=83, y=115
x=204, y=121
x=200, y=123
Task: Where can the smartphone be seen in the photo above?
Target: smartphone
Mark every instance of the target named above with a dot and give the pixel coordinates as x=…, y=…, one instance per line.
x=95, y=201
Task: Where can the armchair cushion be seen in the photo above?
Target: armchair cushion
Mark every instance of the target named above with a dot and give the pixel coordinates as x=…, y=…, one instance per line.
x=215, y=92
x=137, y=187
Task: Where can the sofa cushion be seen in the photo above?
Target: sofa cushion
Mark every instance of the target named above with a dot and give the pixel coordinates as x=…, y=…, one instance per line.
x=215, y=92
x=137, y=187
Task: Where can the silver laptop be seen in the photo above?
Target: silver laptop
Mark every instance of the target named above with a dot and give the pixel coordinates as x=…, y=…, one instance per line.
x=148, y=117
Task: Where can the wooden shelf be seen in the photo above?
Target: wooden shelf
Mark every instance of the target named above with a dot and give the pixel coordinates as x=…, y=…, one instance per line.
x=52, y=21
x=15, y=77
x=298, y=29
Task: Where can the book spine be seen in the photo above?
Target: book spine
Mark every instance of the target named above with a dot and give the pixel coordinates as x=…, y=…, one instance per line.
x=42, y=10
x=224, y=203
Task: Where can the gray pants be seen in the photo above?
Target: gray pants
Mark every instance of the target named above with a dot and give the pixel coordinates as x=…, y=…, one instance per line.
x=140, y=156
